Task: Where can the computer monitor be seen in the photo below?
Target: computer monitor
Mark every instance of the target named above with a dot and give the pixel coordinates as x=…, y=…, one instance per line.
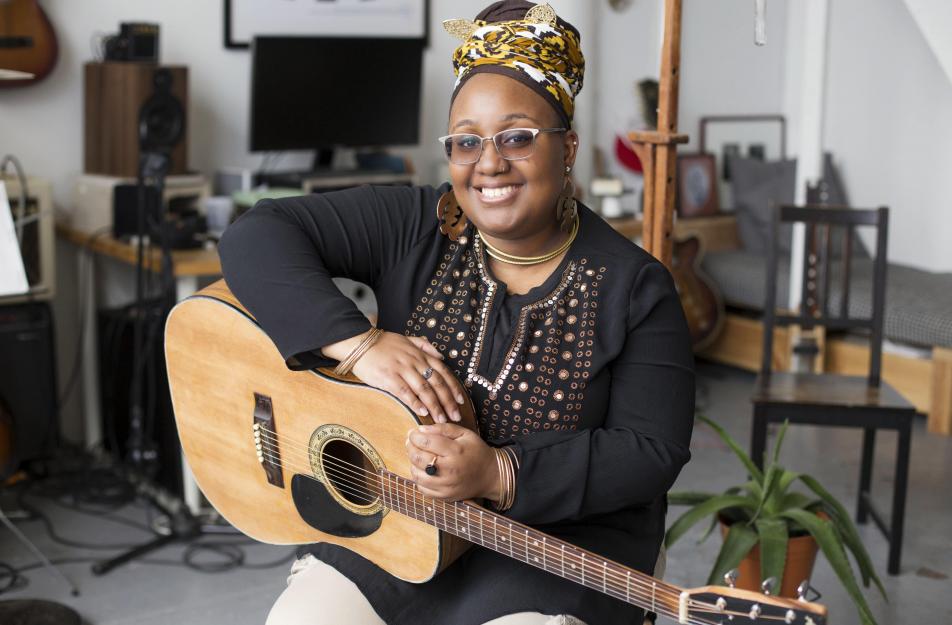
x=320, y=93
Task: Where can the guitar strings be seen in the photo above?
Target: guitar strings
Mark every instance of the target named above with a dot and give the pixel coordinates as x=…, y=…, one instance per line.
x=361, y=492
x=362, y=472
x=646, y=595
x=345, y=471
x=358, y=489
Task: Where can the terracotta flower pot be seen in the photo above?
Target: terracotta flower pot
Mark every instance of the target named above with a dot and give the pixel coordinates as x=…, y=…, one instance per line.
x=801, y=554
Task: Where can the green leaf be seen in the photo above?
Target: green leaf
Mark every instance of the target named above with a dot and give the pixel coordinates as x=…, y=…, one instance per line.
x=848, y=531
x=828, y=540
x=776, y=449
x=773, y=549
x=733, y=490
x=688, y=498
x=786, y=479
x=739, y=541
x=712, y=506
x=756, y=473
x=796, y=501
x=770, y=482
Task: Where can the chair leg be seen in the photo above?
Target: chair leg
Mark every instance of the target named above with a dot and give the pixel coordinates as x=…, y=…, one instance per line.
x=865, y=473
x=899, y=498
x=758, y=435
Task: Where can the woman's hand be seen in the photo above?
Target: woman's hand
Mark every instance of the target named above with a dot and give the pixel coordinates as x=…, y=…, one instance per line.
x=396, y=364
x=465, y=465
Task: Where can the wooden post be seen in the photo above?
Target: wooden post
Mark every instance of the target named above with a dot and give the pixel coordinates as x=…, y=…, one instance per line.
x=658, y=150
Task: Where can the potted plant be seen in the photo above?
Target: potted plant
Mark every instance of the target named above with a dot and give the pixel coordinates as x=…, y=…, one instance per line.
x=763, y=518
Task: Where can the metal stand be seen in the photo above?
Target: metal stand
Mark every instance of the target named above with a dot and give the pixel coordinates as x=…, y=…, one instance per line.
x=182, y=524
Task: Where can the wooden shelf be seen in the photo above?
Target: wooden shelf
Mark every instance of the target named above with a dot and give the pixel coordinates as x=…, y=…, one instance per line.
x=717, y=232
x=199, y=262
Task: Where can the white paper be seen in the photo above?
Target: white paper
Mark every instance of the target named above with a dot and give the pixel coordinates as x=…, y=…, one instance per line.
x=12, y=275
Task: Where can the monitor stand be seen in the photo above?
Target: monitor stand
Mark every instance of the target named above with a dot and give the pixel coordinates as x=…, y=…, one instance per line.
x=323, y=178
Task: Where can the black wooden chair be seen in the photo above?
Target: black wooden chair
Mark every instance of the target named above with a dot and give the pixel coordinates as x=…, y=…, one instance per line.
x=832, y=399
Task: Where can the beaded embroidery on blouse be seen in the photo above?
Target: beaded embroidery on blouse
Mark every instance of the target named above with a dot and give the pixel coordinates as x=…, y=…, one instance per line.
x=541, y=381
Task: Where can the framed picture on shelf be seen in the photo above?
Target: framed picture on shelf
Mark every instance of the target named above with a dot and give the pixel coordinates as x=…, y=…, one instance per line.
x=697, y=185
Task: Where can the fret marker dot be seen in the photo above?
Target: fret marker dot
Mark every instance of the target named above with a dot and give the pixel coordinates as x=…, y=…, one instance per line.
x=463, y=530
x=503, y=539
x=573, y=566
x=536, y=558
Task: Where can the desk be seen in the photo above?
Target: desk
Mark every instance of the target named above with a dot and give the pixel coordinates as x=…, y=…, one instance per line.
x=187, y=267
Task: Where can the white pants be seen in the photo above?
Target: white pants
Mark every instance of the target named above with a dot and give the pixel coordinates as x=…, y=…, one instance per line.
x=317, y=594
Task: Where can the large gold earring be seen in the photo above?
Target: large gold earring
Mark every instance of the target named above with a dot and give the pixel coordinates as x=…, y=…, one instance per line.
x=451, y=216
x=566, y=207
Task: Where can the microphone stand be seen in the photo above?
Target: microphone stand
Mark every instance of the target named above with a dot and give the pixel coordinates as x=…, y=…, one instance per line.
x=141, y=453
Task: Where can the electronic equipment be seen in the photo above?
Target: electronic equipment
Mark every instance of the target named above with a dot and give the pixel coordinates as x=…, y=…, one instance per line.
x=115, y=94
x=136, y=41
x=28, y=377
x=39, y=241
x=95, y=207
x=178, y=225
x=318, y=93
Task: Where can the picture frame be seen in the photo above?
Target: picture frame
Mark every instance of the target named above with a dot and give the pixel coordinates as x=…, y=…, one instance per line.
x=245, y=19
x=697, y=194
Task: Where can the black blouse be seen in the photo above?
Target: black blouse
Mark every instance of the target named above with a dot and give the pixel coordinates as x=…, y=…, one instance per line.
x=589, y=375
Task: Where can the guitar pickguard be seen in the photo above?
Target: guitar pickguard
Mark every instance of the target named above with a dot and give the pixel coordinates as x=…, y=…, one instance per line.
x=322, y=511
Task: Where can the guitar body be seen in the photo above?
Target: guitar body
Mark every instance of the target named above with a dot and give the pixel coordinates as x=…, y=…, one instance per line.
x=27, y=41
x=703, y=306
x=226, y=375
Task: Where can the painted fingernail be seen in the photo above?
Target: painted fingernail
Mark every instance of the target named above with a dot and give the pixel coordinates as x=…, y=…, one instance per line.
x=456, y=416
x=422, y=411
x=459, y=399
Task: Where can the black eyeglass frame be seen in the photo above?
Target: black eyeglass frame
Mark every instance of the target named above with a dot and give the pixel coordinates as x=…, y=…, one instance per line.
x=482, y=141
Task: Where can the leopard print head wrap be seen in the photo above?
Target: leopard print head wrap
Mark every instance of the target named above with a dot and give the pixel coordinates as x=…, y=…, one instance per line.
x=527, y=42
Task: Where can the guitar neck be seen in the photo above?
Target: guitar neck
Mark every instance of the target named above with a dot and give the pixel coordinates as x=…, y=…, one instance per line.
x=493, y=531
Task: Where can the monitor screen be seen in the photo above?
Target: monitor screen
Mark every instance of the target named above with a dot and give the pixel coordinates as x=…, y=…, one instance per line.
x=309, y=93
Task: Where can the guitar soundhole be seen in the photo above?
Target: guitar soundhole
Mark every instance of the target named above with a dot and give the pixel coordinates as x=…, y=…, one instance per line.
x=351, y=474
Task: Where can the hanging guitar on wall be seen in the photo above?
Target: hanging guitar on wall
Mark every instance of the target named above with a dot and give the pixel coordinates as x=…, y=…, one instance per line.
x=27, y=42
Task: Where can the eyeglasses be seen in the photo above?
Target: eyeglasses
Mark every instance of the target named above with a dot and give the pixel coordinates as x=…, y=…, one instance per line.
x=513, y=144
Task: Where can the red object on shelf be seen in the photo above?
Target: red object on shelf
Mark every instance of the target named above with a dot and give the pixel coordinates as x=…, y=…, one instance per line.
x=626, y=155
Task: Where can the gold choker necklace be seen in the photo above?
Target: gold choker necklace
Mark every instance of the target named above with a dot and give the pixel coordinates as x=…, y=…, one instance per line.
x=531, y=260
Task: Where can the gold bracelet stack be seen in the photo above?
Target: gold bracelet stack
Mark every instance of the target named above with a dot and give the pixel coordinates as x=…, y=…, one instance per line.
x=344, y=367
x=507, y=463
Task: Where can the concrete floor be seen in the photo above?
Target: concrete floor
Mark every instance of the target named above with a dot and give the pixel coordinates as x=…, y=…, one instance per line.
x=155, y=592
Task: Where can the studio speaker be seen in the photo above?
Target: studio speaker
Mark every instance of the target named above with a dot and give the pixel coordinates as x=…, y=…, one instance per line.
x=116, y=93
x=28, y=377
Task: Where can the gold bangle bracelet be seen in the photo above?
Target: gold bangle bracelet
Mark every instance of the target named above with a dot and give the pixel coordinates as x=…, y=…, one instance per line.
x=344, y=367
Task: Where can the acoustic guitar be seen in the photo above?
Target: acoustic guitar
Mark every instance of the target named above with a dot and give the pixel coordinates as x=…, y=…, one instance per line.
x=303, y=457
x=702, y=303
x=27, y=41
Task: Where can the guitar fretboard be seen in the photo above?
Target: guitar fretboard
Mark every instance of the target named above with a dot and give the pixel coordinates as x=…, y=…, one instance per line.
x=520, y=542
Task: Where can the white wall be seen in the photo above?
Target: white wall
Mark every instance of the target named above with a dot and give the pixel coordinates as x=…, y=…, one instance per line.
x=42, y=124
x=888, y=120
x=722, y=71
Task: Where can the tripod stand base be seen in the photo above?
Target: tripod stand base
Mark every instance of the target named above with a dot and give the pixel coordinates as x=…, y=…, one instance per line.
x=36, y=612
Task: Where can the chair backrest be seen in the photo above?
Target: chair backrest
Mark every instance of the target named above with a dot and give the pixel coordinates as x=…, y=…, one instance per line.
x=821, y=268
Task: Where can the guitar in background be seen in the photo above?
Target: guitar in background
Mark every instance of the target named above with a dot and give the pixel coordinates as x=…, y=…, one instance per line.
x=703, y=306
x=27, y=41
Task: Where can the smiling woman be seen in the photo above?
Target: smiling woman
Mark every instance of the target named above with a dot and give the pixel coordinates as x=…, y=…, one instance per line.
x=569, y=339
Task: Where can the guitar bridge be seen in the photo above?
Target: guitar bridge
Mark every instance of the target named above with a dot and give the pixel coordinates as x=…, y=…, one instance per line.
x=266, y=441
